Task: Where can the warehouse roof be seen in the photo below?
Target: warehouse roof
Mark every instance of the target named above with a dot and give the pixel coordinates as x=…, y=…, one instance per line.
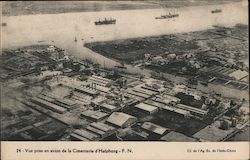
x=94, y=114
x=238, y=74
x=86, y=134
x=119, y=118
x=154, y=128
x=108, y=106
x=211, y=133
x=102, y=126
x=146, y=107
x=48, y=104
x=177, y=137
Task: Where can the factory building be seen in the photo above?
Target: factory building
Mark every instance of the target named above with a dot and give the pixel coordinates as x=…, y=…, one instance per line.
x=143, y=95
x=76, y=137
x=100, y=81
x=153, y=103
x=144, y=91
x=48, y=105
x=66, y=103
x=95, y=116
x=84, y=134
x=177, y=137
x=101, y=129
x=87, y=90
x=146, y=108
x=137, y=98
x=153, y=128
x=121, y=120
x=107, y=107
x=194, y=111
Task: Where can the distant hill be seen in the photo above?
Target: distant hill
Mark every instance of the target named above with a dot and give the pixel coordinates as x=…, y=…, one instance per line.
x=14, y=8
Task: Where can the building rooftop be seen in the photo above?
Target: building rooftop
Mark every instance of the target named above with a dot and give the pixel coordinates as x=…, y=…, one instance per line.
x=138, y=94
x=119, y=118
x=86, y=134
x=108, y=106
x=66, y=101
x=154, y=128
x=238, y=74
x=177, y=137
x=94, y=114
x=102, y=126
x=211, y=133
x=78, y=137
x=146, y=107
x=191, y=109
x=87, y=90
x=157, y=104
x=48, y=104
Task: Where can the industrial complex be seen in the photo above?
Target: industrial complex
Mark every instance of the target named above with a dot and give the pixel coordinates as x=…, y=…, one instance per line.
x=49, y=95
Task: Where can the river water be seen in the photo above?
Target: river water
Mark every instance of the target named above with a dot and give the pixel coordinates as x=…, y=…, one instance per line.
x=63, y=28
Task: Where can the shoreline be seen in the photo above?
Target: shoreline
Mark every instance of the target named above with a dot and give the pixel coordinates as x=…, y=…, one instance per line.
x=18, y=8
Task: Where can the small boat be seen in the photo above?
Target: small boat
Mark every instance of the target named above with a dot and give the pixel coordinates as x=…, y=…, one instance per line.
x=216, y=11
x=4, y=24
x=168, y=16
x=105, y=21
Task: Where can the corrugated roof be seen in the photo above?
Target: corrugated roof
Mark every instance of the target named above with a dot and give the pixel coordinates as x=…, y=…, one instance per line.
x=146, y=107
x=177, y=137
x=239, y=74
x=102, y=126
x=76, y=136
x=211, y=133
x=48, y=104
x=94, y=114
x=86, y=134
x=154, y=128
x=119, y=118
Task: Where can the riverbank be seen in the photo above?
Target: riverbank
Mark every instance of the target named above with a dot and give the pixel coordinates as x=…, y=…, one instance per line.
x=54, y=7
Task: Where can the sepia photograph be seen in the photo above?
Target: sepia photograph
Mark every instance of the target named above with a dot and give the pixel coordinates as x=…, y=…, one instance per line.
x=161, y=71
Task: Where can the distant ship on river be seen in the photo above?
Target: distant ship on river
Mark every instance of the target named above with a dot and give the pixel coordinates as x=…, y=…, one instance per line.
x=105, y=21
x=216, y=11
x=167, y=16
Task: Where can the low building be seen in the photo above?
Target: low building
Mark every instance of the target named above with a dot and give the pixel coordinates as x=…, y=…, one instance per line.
x=100, y=81
x=121, y=120
x=194, y=111
x=108, y=108
x=66, y=103
x=103, y=127
x=176, y=137
x=149, y=109
x=87, y=90
x=153, y=128
x=140, y=90
x=86, y=134
x=48, y=105
x=143, y=95
x=212, y=134
x=95, y=116
x=76, y=137
x=154, y=103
